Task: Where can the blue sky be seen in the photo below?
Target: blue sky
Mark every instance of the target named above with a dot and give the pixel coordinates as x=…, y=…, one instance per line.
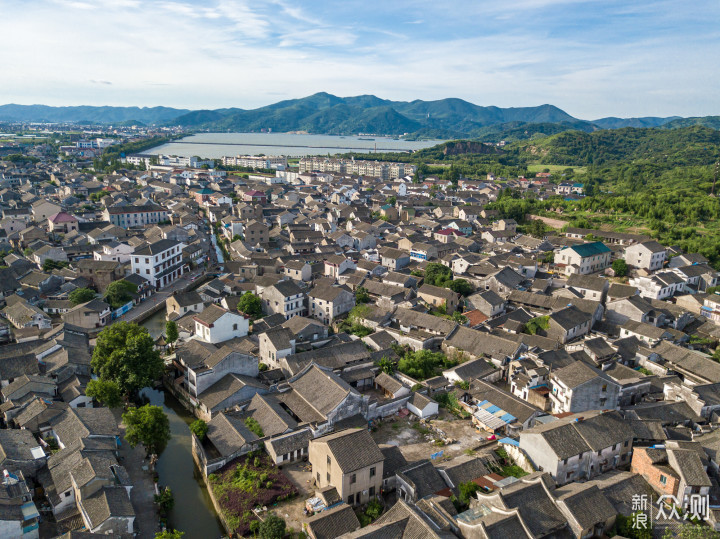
x=590, y=58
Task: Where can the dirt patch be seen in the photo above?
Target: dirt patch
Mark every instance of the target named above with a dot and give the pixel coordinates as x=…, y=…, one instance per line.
x=300, y=475
x=420, y=440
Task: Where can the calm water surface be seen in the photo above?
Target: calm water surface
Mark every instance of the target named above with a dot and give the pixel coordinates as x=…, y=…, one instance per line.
x=193, y=512
x=216, y=145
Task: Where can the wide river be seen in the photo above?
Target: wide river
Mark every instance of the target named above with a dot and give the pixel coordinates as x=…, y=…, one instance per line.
x=216, y=145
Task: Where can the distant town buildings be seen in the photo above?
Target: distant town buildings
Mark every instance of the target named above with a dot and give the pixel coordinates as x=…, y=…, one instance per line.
x=374, y=169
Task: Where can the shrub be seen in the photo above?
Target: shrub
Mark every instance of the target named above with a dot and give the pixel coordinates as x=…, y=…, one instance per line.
x=374, y=509
x=537, y=323
x=199, y=428
x=254, y=427
x=273, y=527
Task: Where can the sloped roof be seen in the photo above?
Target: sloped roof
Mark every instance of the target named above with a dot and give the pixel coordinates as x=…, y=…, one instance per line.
x=352, y=449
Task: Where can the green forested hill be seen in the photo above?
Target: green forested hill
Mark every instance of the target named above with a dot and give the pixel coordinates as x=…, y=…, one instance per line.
x=695, y=145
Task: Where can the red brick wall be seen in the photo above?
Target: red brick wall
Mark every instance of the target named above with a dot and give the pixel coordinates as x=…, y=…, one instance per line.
x=642, y=465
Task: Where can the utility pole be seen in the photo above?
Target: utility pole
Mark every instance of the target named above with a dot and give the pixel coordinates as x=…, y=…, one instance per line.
x=717, y=168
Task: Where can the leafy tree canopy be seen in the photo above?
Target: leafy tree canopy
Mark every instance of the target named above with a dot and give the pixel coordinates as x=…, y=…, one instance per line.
x=273, y=527
x=199, y=428
x=171, y=331
x=147, y=425
x=105, y=392
x=81, y=295
x=118, y=293
x=125, y=354
x=251, y=305
x=620, y=268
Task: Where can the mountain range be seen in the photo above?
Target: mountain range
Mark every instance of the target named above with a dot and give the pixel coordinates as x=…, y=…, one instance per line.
x=365, y=114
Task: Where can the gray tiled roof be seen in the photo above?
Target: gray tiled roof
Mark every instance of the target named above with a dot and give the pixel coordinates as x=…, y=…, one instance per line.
x=106, y=503
x=536, y=507
x=273, y=419
x=228, y=433
x=579, y=433
x=424, y=477
x=292, y=441
x=352, y=449
x=587, y=505
x=333, y=522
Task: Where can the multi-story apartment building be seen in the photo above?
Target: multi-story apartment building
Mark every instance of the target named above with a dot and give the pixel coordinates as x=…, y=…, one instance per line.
x=585, y=258
x=576, y=448
x=579, y=387
x=251, y=161
x=648, y=255
x=114, y=251
x=177, y=161
x=376, y=169
x=131, y=216
x=285, y=298
x=161, y=262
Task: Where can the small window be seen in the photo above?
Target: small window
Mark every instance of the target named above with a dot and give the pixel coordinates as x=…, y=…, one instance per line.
x=234, y=327
x=329, y=462
x=318, y=478
x=353, y=479
x=351, y=499
x=663, y=480
x=327, y=476
x=372, y=491
x=372, y=471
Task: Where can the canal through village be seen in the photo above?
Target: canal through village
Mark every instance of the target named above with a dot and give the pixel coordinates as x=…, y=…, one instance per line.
x=193, y=512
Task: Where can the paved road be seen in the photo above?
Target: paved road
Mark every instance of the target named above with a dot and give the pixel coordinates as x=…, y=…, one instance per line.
x=159, y=297
x=180, y=284
x=142, y=495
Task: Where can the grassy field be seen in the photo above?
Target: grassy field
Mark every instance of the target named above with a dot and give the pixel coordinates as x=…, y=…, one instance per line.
x=555, y=168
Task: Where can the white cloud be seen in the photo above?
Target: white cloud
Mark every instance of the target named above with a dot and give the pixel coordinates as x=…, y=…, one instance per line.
x=222, y=53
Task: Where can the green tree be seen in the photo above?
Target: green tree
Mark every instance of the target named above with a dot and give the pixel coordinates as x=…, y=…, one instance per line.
x=620, y=268
x=251, y=305
x=95, y=197
x=169, y=534
x=391, y=200
x=536, y=324
x=105, y=392
x=27, y=251
x=386, y=365
x=273, y=527
x=690, y=531
x=171, y=331
x=118, y=293
x=423, y=364
x=81, y=295
x=254, y=427
x=632, y=529
x=460, y=318
x=437, y=274
x=536, y=228
x=461, y=286
x=199, y=428
x=165, y=500
x=125, y=354
x=362, y=295
x=49, y=264
x=467, y=490
x=147, y=425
